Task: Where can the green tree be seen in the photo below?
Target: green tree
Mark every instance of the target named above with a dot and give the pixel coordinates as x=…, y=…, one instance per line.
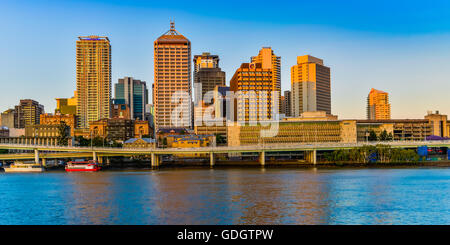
x=384, y=136
x=220, y=139
x=63, y=130
x=372, y=136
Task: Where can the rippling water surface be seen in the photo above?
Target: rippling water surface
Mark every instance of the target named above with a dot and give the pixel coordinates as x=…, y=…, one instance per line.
x=228, y=196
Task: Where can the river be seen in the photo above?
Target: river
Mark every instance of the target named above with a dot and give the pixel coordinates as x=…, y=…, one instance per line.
x=228, y=196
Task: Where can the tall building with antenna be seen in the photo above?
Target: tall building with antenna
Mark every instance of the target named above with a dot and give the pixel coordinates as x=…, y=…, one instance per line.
x=172, y=69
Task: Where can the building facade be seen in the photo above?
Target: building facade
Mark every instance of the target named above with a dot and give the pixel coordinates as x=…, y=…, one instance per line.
x=120, y=111
x=134, y=93
x=93, y=79
x=269, y=60
x=253, y=87
x=310, y=86
x=172, y=69
x=8, y=118
x=66, y=105
x=58, y=119
x=378, y=106
x=27, y=113
x=136, y=143
x=46, y=131
x=119, y=129
x=207, y=75
x=287, y=103
x=295, y=131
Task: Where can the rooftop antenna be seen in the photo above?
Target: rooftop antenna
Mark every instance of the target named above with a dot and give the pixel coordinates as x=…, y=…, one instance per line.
x=172, y=25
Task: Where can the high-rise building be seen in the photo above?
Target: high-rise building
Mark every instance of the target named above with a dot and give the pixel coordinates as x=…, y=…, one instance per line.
x=310, y=86
x=27, y=113
x=269, y=60
x=287, y=103
x=133, y=93
x=378, y=107
x=93, y=79
x=253, y=87
x=172, y=64
x=207, y=75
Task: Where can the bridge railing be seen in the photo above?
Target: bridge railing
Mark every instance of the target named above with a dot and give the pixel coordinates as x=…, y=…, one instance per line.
x=264, y=146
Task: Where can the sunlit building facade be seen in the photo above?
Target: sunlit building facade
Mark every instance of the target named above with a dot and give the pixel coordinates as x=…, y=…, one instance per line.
x=378, y=106
x=269, y=60
x=253, y=87
x=134, y=94
x=93, y=79
x=172, y=69
x=310, y=86
x=207, y=75
x=27, y=113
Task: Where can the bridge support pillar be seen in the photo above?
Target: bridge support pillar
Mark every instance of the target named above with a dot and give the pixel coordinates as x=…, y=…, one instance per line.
x=155, y=160
x=100, y=160
x=311, y=156
x=94, y=156
x=36, y=156
x=262, y=158
x=211, y=159
x=44, y=162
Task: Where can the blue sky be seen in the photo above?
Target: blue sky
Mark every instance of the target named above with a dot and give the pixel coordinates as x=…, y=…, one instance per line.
x=402, y=47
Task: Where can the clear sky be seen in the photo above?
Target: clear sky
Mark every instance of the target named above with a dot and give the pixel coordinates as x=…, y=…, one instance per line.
x=402, y=47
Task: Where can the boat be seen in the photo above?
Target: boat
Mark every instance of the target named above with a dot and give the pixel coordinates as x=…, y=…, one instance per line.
x=20, y=167
x=82, y=166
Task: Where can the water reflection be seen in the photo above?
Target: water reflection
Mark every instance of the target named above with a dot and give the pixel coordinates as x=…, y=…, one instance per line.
x=228, y=196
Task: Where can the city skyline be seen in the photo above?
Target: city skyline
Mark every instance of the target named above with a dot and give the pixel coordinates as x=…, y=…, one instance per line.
x=349, y=55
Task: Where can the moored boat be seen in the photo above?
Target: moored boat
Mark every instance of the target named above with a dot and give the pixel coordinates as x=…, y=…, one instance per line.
x=20, y=167
x=82, y=166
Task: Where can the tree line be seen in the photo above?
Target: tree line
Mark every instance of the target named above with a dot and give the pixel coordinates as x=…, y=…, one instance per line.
x=370, y=154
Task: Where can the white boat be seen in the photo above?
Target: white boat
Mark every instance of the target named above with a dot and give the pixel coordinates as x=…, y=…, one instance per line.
x=20, y=167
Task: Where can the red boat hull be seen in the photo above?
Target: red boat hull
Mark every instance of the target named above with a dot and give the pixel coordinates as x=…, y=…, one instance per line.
x=83, y=170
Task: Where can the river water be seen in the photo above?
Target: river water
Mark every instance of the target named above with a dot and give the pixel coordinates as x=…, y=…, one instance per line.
x=228, y=196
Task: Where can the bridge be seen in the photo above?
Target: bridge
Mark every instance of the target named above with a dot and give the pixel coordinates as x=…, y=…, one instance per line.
x=43, y=152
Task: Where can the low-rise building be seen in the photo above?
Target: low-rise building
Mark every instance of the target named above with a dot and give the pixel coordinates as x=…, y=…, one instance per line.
x=135, y=143
x=57, y=119
x=343, y=131
x=46, y=131
x=142, y=129
x=214, y=128
x=119, y=129
x=190, y=141
x=433, y=124
x=50, y=134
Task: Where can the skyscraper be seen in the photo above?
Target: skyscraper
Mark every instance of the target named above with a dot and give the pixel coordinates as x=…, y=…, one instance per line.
x=207, y=75
x=378, y=107
x=172, y=64
x=133, y=93
x=253, y=86
x=269, y=60
x=310, y=86
x=93, y=79
x=27, y=113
